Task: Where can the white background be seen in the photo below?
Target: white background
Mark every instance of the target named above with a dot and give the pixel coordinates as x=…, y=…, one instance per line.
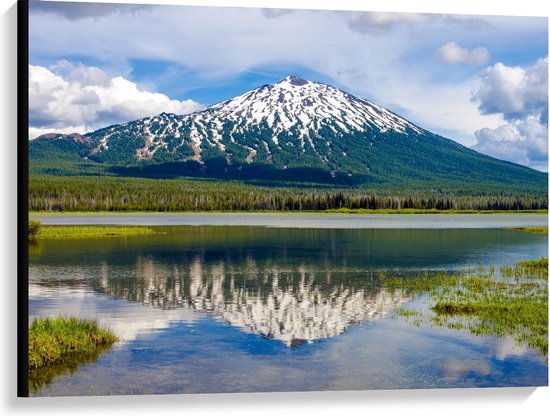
x=495, y=402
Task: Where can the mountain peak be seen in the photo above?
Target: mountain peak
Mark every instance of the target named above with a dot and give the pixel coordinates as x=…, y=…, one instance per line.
x=303, y=108
x=295, y=80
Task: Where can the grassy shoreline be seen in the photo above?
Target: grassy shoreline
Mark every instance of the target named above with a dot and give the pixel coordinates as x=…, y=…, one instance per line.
x=532, y=230
x=411, y=211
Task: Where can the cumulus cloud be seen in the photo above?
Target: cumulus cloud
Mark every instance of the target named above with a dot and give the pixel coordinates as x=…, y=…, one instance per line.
x=379, y=23
x=452, y=54
x=524, y=143
x=520, y=96
x=78, y=10
x=515, y=92
x=82, y=74
x=67, y=98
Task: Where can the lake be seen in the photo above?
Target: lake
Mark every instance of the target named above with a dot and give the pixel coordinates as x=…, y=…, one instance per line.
x=276, y=302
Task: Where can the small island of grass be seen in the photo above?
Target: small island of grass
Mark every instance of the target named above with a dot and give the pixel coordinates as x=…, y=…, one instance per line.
x=38, y=231
x=54, y=340
x=533, y=230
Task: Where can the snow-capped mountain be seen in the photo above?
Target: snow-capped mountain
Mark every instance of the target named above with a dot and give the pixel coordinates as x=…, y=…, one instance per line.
x=291, y=116
x=297, y=105
x=291, y=125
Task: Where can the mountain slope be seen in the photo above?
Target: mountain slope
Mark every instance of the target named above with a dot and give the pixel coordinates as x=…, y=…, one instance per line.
x=294, y=129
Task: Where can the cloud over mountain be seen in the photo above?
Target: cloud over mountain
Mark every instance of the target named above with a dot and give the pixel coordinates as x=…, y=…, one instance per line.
x=67, y=97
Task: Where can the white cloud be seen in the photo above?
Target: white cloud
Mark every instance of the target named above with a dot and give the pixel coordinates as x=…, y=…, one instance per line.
x=34, y=132
x=452, y=54
x=515, y=92
x=68, y=98
x=520, y=96
x=524, y=142
x=503, y=143
x=84, y=75
x=77, y=10
x=379, y=23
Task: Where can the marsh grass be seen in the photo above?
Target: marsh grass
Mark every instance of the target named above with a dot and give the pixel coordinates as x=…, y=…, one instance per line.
x=85, y=231
x=435, y=211
x=514, y=304
x=33, y=229
x=530, y=266
x=533, y=230
x=537, y=269
x=54, y=340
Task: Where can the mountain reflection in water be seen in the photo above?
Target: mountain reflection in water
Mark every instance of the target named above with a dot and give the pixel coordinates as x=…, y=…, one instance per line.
x=295, y=306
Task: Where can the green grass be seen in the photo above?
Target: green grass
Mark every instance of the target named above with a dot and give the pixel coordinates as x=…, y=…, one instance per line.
x=503, y=308
x=530, y=268
x=34, y=229
x=84, y=231
x=435, y=211
x=538, y=264
x=54, y=340
x=533, y=230
x=514, y=304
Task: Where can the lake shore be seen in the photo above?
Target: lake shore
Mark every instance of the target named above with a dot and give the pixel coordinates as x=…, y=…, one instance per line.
x=297, y=220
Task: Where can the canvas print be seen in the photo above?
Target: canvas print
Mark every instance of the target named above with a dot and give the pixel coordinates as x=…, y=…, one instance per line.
x=226, y=199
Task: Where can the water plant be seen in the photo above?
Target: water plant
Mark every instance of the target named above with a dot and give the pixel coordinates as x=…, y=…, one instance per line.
x=514, y=303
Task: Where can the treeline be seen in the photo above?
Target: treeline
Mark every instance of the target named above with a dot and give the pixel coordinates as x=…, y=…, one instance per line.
x=50, y=193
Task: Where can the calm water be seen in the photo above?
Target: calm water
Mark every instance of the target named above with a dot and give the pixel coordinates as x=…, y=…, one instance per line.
x=238, y=309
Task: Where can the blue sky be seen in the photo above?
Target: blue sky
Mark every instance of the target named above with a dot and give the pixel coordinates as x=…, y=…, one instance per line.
x=479, y=80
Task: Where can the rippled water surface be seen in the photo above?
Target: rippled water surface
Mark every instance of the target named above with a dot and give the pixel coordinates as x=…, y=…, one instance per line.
x=256, y=308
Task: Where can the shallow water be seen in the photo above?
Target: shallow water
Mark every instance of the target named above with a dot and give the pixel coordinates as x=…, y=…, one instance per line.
x=255, y=308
